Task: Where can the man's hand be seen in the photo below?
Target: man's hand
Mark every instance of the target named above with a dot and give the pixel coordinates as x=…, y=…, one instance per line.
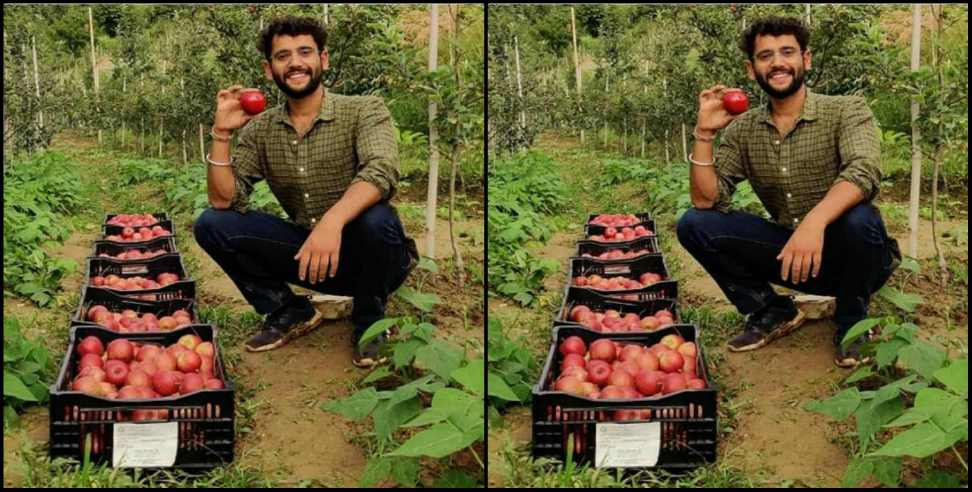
x=803, y=252
x=320, y=252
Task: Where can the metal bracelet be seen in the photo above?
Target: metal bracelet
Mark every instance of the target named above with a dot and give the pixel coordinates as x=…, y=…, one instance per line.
x=212, y=133
x=700, y=163
x=220, y=164
x=695, y=133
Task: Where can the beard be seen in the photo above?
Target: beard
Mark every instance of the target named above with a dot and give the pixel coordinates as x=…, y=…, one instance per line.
x=796, y=81
x=311, y=85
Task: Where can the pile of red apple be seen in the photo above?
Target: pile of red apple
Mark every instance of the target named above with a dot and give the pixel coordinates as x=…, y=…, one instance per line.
x=617, y=283
x=135, y=254
x=127, y=370
x=611, y=321
x=617, y=254
x=615, y=220
x=610, y=370
x=133, y=220
x=128, y=321
x=134, y=283
x=612, y=235
x=129, y=234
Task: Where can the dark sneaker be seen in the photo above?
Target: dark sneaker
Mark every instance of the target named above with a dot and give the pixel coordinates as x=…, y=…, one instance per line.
x=780, y=318
x=368, y=356
x=850, y=357
x=284, y=325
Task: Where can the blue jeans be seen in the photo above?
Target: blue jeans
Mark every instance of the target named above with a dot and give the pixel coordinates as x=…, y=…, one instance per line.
x=739, y=251
x=256, y=250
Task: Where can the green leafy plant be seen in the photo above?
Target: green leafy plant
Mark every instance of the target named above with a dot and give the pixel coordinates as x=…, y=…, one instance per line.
x=26, y=366
x=439, y=373
x=917, y=409
x=511, y=369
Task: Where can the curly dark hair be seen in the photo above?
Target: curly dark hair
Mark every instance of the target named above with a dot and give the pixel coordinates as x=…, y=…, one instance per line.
x=774, y=26
x=291, y=26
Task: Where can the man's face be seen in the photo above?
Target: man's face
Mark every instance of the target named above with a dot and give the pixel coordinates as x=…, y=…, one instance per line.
x=296, y=65
x=779, y=66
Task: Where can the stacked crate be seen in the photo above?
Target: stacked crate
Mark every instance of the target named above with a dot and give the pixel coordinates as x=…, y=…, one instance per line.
x=675, y=431
x=192, y=431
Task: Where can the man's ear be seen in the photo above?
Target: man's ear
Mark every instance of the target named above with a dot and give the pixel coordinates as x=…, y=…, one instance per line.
x=807, y=58
x=750, y=72
x=325, y=59
x=266, y=70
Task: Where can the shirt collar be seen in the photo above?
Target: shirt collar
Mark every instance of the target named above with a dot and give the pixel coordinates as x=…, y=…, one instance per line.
x=328, y=111
x=809, y=111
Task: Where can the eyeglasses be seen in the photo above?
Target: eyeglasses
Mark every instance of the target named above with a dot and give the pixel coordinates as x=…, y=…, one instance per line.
x=767, y=55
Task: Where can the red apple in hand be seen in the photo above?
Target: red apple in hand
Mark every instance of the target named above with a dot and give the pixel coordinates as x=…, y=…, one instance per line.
x=253, y=101
x=735, y=102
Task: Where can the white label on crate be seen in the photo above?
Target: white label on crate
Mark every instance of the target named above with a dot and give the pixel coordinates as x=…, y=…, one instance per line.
x=614, y=269
x=627, y=445
x=145, y=445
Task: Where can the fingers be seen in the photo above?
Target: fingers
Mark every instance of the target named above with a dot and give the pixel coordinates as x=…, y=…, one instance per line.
x=795, y=268
x=785, y=268
x=805, y=270
x=302, y=266
x=315, y=268
x=334, y=263
x=817, y=260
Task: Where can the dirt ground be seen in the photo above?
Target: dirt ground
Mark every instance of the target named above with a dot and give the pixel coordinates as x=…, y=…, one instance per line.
x=769, y=386
x=288, y=436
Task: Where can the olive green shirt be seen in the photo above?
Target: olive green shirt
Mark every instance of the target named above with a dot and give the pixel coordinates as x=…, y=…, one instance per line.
x=352, y=139
x=835, y=139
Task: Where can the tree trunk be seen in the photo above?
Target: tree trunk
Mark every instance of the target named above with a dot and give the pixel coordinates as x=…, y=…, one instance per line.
x=33, y=49
x=202, y=142
x=577, y=69
x=519, y=80
x=430, y=206
x=453, y=57
x=915, y=136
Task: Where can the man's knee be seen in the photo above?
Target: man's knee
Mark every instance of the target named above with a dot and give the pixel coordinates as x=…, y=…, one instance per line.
x=209, y=223
x=861, y=224
x=692, y=222
x=379, y=224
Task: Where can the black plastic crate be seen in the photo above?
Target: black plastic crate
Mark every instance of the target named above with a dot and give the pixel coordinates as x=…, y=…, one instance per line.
x=182, y=289
x=596, y=302
x=113, y=248
x=595, y=248
x=686, y=421
x=645, y=220
x=91, y=296
x=202, y=423
x=159, y=217
x=113, y=229
x=633, y=268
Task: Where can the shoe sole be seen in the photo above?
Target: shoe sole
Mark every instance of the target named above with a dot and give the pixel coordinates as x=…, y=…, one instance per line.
x=786, y=329
x=292, y=334
x=365, y=365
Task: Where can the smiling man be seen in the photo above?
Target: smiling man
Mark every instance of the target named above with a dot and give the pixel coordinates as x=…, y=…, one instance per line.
x=332, y=162
x=813, y=160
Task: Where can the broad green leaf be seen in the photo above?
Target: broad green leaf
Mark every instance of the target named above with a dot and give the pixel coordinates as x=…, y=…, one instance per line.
x=471, y=376
x=356, y=406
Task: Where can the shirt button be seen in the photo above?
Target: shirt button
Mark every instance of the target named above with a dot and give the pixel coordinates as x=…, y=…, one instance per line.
x=313, y=220
x=777, y=142
x=784, y=169
x=294, y=142
x=795, y=221
x=301, y=169
x=789, y=195
x=306, y=195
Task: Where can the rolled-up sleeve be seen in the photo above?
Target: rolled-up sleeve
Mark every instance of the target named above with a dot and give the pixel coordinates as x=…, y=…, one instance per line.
x=729, y=167
x=860, y=149
x=376, y=148
x=246, y=168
